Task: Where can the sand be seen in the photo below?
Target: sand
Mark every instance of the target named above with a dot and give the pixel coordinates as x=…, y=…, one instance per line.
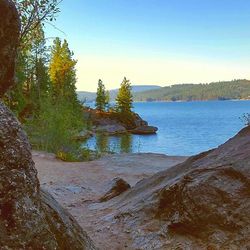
x=78, y=186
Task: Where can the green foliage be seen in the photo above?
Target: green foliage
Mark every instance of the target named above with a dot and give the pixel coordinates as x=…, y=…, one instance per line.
x=54, y=125
x=107, y=99
x=102, y=97
x=45, y=98
x=124, y=99
x=57, y=115
x=15, y=100
x=62, y=71
x=32, y=77
x=31, y=71
x=236, y=89
x=77, y=155
x=34, y=13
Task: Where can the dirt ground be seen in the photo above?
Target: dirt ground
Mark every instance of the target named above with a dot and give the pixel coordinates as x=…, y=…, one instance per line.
x=78, y=186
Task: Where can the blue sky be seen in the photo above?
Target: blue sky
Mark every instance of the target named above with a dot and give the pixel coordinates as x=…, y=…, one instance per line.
x=156, y=41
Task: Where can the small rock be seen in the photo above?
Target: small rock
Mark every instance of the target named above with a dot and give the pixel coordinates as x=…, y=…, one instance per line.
x=144, y=130
x=116, y=187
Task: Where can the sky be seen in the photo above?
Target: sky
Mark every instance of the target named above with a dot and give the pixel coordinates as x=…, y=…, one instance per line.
x=160, y=42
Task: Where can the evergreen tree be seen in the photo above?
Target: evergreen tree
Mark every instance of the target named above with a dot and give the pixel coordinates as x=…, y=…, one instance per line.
x=45, y=97
x=62, y=71
x=59, y=117
x=31, y=74
x=39, y=85
x=107, y=98
x=124, y=99
x=22, y=99
x=102, y=97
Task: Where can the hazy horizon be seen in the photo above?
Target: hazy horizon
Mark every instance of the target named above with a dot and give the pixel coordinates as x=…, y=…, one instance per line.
x=156, y=42
x=160, y=85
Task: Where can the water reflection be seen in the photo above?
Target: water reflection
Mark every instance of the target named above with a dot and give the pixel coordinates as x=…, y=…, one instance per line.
x=115, y=144
x=102, y=143
x=185, y=128
x=126, y=144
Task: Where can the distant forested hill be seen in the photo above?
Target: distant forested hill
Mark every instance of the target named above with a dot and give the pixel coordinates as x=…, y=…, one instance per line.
x=90, y=96
x=236, y=89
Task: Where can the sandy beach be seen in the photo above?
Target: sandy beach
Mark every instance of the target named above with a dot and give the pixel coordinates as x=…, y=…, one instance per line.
x=78, y=187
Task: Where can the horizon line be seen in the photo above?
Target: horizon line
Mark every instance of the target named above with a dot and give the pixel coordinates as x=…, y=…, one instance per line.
x=162, y=86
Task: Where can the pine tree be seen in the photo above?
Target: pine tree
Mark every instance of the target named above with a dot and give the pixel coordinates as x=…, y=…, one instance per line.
x=40, y=84
x=107, y=98
x=62, y=71
x=124, y=99
x=31, y=74
x=102, y=97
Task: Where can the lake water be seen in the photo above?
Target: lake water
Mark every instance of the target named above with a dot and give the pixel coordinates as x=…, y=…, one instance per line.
x=185, y=128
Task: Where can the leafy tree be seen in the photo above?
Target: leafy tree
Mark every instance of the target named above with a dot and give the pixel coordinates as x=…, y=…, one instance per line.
x=102, y=97
x=34, y=13
x=124, y=99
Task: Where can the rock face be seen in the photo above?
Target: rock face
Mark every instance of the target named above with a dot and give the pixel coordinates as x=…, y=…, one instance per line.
x=115, y=188
x=202, y=203
x=141, y=127
x=138, y=121
x=103, y=123
x=112, y=123
x=144, y=130
x=29, y=217
x=9, y=32
x=111, y=129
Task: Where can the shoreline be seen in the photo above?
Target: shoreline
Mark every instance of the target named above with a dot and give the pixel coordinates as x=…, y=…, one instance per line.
x=210, y=100
x=160, y=101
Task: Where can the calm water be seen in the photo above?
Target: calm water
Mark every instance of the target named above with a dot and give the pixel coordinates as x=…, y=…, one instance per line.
x=185, y=128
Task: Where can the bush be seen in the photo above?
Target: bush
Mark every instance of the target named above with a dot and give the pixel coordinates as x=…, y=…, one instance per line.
x=79, y=155
x=52, y=129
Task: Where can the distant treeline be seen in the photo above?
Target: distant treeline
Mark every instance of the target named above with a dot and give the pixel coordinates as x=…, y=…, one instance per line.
x=236, y=89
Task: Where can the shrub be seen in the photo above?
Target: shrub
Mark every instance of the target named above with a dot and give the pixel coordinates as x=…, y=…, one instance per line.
x=54, y=126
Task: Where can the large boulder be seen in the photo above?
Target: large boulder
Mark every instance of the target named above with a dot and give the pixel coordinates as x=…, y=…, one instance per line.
x=202, y=203
x=29, y=217
x=9, y=33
